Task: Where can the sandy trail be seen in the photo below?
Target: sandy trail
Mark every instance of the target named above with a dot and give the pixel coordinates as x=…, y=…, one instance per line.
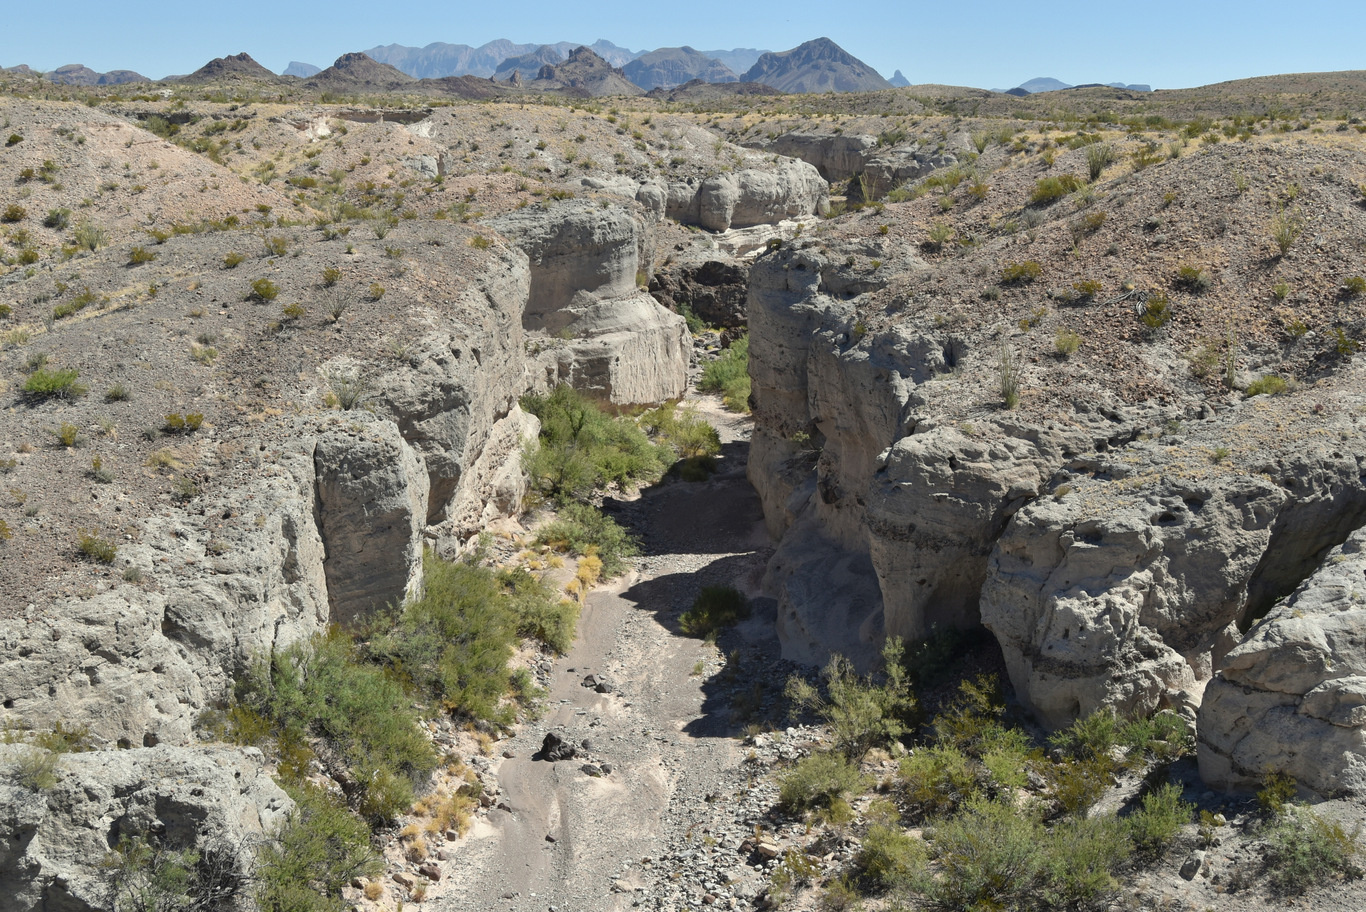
x=571, y=841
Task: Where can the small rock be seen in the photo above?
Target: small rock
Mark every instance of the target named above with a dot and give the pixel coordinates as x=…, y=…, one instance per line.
x=589, y=769
x=509, y=754
x=430, y=871
x=403, y=879
x=550, y=837
x=1193, y=864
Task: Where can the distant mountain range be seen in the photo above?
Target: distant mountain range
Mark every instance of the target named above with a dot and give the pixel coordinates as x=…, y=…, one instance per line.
x=1049, y=84
x=597, y=69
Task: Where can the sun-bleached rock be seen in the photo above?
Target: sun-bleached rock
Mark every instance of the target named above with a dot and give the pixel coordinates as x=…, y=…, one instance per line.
x=1291, y=696
x=54, y=844
x=372, y=509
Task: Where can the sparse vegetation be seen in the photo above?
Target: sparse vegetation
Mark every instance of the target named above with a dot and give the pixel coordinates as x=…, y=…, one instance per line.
x=263, y=290
x=1020, y=273
x=717, y=607
x=53, y=384
x=729, y=376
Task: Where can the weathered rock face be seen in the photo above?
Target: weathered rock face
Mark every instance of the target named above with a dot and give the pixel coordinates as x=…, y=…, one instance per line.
x=1113, y=563
x=218, y=801
x=889, y=169
x=1119, y=595
x=136, y=665
x=753, y=197
x=372, y=500
x=836, y=157
x=623, y=346
x=1292, y=695
x=714, y=290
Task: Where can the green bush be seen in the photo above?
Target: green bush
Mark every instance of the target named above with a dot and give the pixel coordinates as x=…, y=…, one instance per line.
x=888, y=856
x=861, y=711
x=1267, y=385
x=816, y=781
x=139, y=255
x=1020, y=273
x=145, y=874
x=1099, y=156
x=1157, y=311
x=583, y=530
x=990, y=857
x=453, y=644
x=324, y=689
x=53, y=384
x=90, y=237
x=715, y=608
x=320, y=849
x=35, y=769
x=263, y=290
x=13, y=213
x=937, y=780
x=1159, y=818
x=1066, y=343
x=1081, y=859
x=1354, y=286
x=581, y=448
x=95, y=547
x=57, y=218
x=1192, y=279
x=1303, y=851
x=729, y=376
x=1049, y=190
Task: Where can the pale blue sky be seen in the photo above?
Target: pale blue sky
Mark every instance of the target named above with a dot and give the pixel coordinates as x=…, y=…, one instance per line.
x=990, y=44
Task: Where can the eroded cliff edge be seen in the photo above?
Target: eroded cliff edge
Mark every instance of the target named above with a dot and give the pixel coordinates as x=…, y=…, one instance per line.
x=1126, y=523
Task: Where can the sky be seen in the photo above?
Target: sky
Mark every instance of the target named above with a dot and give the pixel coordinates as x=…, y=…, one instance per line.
x=991, y=44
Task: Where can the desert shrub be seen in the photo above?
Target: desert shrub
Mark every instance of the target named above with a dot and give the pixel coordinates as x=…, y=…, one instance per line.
x=581, y=448
x=1159, y=818
x=53, y=384
x=729, y=376
x=145, y=874
x=1020, y=273
x=1266, y=385
x=937, y=780
x=90, y=237
x=275, y=246
x=35, y=768
x=1099, y=156
x=1192, y=279
x=1286, y=228
x=454, y=643
x=67, y=434
x=233, y=260
x=990, y=856
x=350, y=390
x=939, y=234
x=1066, y=342
x=139, y=255
x=1008, y=377
x=1277, y=792
x=817, y=780
x=96, y=547
x=1303, y=850
x=323, y=688
x=1157, y=310
x=375, y=291
x=714, y=608
x=541, y=613
x=1354, y=286
x=13, y=213
x=583, y=530
x=1081, y=858
x=479, y=242
x=58, y=218
x=888, y=856
x=263, y=290
x=177, y=423
x=331, y=275
x=1048, y=190
x=860, y=711
x=320, y=849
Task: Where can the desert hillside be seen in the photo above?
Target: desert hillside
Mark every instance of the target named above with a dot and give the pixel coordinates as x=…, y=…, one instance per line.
x=419, y=489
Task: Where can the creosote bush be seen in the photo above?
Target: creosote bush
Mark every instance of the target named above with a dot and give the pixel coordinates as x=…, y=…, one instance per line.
x=53, y=384
x=1049, y=190
x=263, y=290
x=818, y=780
x=862, y=712
x=1020, y=273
